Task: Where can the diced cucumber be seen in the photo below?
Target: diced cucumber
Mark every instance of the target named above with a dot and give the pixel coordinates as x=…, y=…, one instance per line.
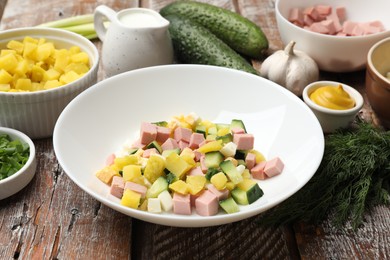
x=166, y=153
x=213, y=159
x=229, y=205
x=240, y=154
x=228, y=167
x=133, y=151
x=240, y=196
x=247, y=191
x=222, y=126
x=212, y=130
x=237, y=123
x=201, y=129
x=161, y=123
x=156, y=145
x=225, y=138
x=171, y=178
x=157, y=187
x=211, y=172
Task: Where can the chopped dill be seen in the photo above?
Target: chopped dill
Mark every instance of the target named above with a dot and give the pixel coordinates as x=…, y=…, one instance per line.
x=354, y=176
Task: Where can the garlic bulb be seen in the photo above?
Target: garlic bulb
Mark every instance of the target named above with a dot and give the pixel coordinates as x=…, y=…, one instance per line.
x=290, y=68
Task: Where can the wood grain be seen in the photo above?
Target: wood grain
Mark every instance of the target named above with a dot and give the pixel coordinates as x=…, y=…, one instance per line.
x=54, y=219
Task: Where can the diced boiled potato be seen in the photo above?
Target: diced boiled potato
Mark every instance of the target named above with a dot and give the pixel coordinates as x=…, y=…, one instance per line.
x=131, y=199
x=121, y=162
x=37, y=73
x=29, y=50
x=52, y=84
x=131, y=172
x=219, y=180
x=154, y=167
x=51, y=74
x=80, y=57
x=5, y=87
x=62, y=59
x=8, y=62
x=106, y=174
x=6, y=51
x=16, y=46
x=211, y=147
x=259, y=156
x=69, y=77
x=44, y=51
x=23, y=84
x=195, y=183
x=5, y=77
x=177, y=165
x=22, y=68
x=79, y=68
x=29, y=39
x=180, y=187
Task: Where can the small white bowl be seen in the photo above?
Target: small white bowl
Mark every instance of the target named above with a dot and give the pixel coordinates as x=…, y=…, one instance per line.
x=334, y=53
x=35, y=113
x=332, y=119
x=14, y=183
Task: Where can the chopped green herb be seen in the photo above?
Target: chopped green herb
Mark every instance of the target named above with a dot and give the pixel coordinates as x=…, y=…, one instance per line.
x=354, y=176
x=13, y=155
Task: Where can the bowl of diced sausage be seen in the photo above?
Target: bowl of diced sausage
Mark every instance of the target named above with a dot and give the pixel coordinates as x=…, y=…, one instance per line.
x=337, y=34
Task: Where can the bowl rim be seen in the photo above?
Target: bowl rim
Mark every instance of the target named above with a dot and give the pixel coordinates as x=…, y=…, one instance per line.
x=16, y=134
x=351, y=91
x=326, y=36
x=58, y=32
x=370, y=64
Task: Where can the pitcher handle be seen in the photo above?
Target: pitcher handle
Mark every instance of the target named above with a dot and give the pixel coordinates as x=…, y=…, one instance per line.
x=102, y=13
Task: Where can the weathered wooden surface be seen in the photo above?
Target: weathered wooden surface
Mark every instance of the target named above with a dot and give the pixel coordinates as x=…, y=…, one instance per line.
x=54, y=219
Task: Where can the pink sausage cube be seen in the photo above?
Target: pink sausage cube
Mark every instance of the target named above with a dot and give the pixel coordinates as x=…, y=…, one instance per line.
x=195, y=140
x=182, y=134
x=163, y=133
x=296, y=16
x=237, y=130
x=197, y=156
x=378, y=24
x=194, y=197
x=244, y=141
x=183, y=145
x=250, y=160
x=203, y=166
x=319, y=28
x=258, y=171
x=148, y=132
x=206, y=204
x=341, y=13
x=312, y=12
x=221, y=194
x=273, y=167
x=148, y=152
x=329, y=24
x=323, y=10
x=196, y=171
x=333, y=17
x=136, y=187
x=169, y=144
x=348, y=27
x=117, y=186
x=110, y=159
x=307, y=20
x=181, y=204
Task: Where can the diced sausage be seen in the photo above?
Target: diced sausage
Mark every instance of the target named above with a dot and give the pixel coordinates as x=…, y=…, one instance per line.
x=341, y=13
x=323, y=10
x=274, y=167
x=312, y=12
x=244, y=141
x=148, y=132
x=169, y=144
x=117, y=186
x=250, y=160
x=183, y=144
x=206, y=204
x=221, y=194
x=181, y=204
x=148, y=152
x=195, y=171
x=136, y=187
x=296, y=16
x=258, y=171
x=195, y=140
x=163, y=133
x=182, y=134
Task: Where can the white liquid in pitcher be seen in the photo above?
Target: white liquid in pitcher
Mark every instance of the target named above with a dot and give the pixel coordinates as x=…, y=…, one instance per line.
x=139, y=20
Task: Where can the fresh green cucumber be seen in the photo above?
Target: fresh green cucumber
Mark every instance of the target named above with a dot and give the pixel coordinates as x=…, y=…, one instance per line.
x=229, y=205
x=213, y=159
x=228, y=167
x=155, y=144
x=194, y=44
x=238, y=32
x=157, y=187
x=237, y=123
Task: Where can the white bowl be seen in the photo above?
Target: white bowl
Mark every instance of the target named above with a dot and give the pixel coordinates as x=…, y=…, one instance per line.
x=281, y=123
x=334, y=53
x=331, y=119
x=14, y=183
x=35, y=113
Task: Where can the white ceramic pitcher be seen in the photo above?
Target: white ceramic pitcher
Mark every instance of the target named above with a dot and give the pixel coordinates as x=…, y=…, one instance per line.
x=135, y=38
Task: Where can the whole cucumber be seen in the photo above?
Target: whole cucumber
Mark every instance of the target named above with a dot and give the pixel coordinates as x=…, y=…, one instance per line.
x=238, y=32
x=195, y=44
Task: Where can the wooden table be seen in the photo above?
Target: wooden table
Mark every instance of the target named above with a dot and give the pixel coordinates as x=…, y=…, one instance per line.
x=52, y=218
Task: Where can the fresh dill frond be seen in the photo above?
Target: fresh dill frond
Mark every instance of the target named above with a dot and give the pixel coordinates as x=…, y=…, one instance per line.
x=354, y=175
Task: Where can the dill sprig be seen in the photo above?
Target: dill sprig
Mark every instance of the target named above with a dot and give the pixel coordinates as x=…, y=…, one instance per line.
x=354, y=176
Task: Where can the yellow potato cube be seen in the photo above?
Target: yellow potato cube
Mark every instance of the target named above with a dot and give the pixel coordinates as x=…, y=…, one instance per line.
x=37, y=86
x=246, y=174
x=5, y=77
x=246, y=184
x=61, y=59
x=154, y=167
x=5, y=87
x=81, y=57
x=219, y=180
x=74, y=50
x=23, y=84
x=188, y=158
x=106, y=174
x=37, y=73
x=52, y=84
x=44, y=51
x=179, y=187
x=131, y=172
x=21, y=68
x=211, y=147
x=69, y=77
x=6, y=51
x=195, y=183
x=51, y=74
x=223, y=131
x=121, y=162
x=29, y=50
x=41, y=41
x=8, y=62
x=177, y=165
x=230, y=185
x=16, y=46
x=79, y=68
x=131, y=199
x=259, y=156
x=29, y=39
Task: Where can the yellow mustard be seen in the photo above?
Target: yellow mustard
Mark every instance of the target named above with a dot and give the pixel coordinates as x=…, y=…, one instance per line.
x=332, y=97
